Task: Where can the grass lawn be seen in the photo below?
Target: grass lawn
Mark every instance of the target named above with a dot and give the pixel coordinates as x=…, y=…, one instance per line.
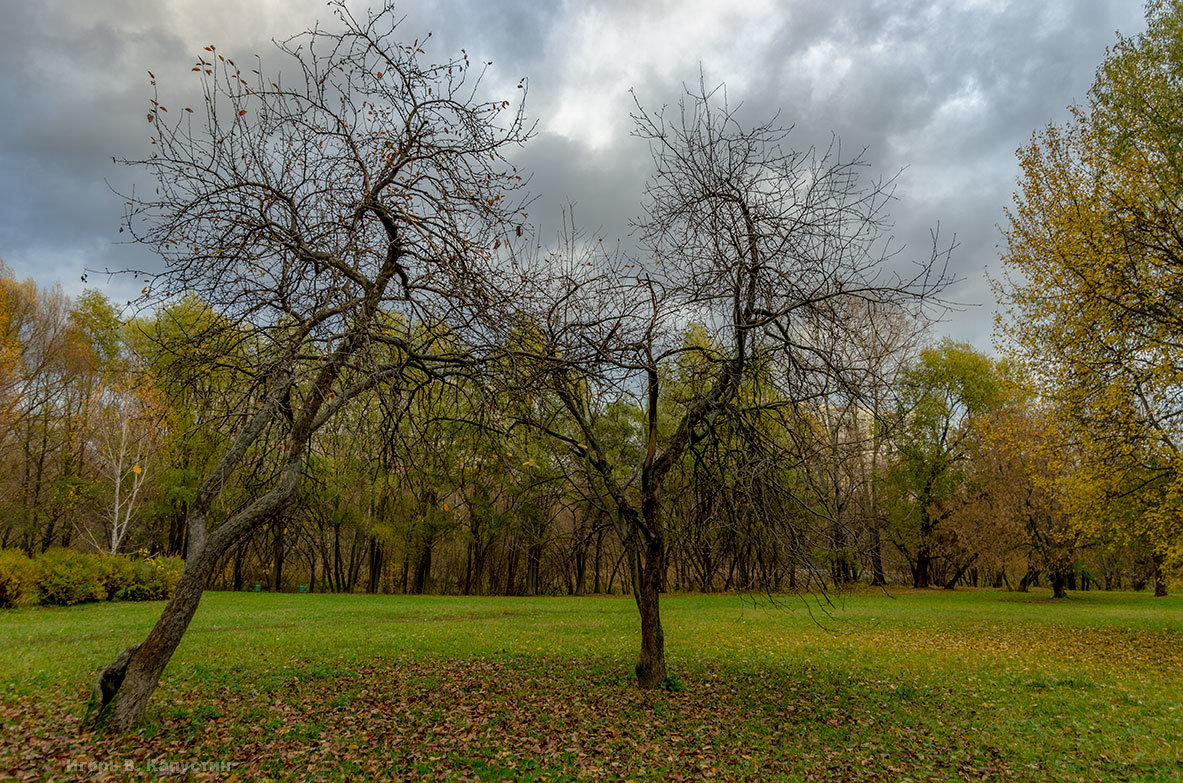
x=916, y=685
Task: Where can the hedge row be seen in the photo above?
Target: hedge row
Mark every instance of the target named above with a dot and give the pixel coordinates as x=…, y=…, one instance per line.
x=63, y=577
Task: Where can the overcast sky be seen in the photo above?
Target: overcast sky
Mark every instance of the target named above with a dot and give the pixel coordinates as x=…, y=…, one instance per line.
x=944, y=90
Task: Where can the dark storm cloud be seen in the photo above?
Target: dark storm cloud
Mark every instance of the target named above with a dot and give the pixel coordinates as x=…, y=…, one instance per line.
x=946, y=91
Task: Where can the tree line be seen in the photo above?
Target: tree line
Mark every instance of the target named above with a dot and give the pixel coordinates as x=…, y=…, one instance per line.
x=937, y=472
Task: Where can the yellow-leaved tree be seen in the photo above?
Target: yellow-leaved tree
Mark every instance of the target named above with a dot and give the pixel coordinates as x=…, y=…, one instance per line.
x=1093, y=294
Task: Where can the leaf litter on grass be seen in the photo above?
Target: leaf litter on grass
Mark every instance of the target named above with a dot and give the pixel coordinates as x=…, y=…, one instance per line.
x=533, y=719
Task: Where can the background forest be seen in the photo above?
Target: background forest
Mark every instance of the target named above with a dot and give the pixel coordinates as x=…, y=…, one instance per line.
x=942, y=477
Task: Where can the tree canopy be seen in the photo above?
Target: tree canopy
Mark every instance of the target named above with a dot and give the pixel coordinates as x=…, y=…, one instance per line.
x=1094, y=285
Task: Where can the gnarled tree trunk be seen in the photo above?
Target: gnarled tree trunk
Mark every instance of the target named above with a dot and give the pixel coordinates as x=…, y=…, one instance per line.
x=127, y=684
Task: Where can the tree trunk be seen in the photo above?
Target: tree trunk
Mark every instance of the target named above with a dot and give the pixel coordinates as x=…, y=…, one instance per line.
x=375, y=562
x=1059, y=583
x=960, y=572
x=468, y=568
x=840, y=569
x=922, y=573
x=277, y=556
x=423, y=568
x=1160, y=578
x=878, y=578
x=511, y=570
x=533, y=568
x=581, y=548
x=124, y=699
x=596, y=567
x=238, y=567
x=651, y=671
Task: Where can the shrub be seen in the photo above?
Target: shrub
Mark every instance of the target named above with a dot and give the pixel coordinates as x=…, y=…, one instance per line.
x=116, y=573
x=16, y=572
x=63, y=577
x=155, y=579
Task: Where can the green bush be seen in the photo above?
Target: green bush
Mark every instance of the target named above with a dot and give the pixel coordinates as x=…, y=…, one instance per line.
x=63, y=577
x=155, y=579
x=16, y=572
x=116, y=573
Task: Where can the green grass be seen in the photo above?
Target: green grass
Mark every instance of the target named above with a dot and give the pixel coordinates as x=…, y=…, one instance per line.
x=930, y=685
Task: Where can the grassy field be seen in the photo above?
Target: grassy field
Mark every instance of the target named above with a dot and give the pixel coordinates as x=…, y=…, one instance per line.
x=929, y=685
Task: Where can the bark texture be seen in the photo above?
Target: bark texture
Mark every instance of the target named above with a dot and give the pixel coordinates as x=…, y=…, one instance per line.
x=651, y=671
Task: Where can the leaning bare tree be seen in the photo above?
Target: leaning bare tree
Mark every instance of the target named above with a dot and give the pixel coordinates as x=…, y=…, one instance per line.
x=766, y=247
x=339, y=216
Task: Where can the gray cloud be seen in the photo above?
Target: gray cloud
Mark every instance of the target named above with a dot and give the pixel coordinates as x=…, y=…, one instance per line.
x=945, y=91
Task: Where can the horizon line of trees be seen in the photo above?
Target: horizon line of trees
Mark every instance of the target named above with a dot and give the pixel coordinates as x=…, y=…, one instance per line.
x=936, y=481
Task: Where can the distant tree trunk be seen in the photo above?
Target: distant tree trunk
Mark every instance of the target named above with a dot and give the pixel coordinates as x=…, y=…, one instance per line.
x=406, y=570
x=1160, y=578
x=238, y=567
x=375, y=563
x=515, y=553
x=840, y=568
x=479, y=557
x=338, y=570
x=596, y=567
x=706, y=570
x=615, y=571
x=357, y=555
x=922, y=573
x=730, y=571
x=329, y=575
x=423, y=568
x=1059, y=583
x=468, y=568
x=278, y=554
x=533, y=567
x=922, y=570
x=580, y=567
x=878, y=578
x=959, y=572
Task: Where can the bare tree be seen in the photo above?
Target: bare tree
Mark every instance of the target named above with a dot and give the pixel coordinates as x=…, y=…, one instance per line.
x=766, y=247
x=336, y=214
x=128, y=434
